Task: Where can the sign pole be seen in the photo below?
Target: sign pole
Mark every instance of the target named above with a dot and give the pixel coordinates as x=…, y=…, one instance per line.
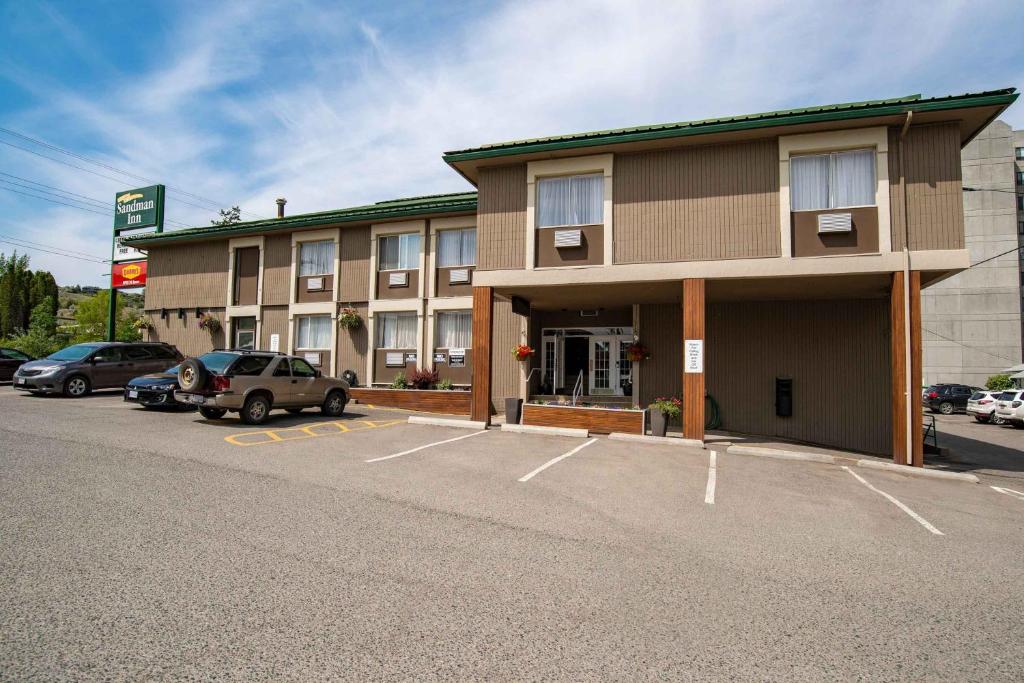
x=133, y=210
x=112, y=304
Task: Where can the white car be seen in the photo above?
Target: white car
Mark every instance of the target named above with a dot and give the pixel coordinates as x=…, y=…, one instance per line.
x=1010, y=407
x=982, y=405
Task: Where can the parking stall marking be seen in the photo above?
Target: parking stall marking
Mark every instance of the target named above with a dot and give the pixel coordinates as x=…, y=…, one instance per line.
x=424, y=446
x=709, y=493
x=916, y=517
x=1009, y=492
x=551, y=462
x=310, y=431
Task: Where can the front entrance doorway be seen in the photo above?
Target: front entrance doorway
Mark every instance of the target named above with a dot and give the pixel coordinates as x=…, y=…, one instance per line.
x=586, y=361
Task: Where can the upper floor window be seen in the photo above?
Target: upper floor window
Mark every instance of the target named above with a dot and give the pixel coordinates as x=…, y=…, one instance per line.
x=1019, y=152
x=456, y=248
x=570, y=200
x=1020, y=177
x=316, y=258
x=400, y=252
x=832, y=181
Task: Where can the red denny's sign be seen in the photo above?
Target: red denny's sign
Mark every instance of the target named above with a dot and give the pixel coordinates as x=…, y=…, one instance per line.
x=129, y=274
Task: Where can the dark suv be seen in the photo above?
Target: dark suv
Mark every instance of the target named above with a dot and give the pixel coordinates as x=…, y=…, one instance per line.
x=947, y=398
x=78, y=369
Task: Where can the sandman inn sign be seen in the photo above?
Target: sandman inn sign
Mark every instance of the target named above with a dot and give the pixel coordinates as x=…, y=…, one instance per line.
x=141, y=208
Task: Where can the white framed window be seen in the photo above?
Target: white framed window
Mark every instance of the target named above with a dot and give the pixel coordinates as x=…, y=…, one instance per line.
x=399, y=252
x=316, y=258
x=313, y=332
x=456, y=248
x=832, y=181
x=245, y=333
x=454, y=329
x=570, y=200
x=396, y=330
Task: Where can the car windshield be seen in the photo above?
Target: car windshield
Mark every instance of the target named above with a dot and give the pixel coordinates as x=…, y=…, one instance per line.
x=217, y=361
x=978, y=395
x=76, y=352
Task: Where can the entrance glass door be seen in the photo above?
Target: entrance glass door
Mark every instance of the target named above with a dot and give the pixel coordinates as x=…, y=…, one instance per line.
x=604, y=377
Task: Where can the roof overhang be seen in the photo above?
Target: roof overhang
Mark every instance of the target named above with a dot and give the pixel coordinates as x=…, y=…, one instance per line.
x=973, y=112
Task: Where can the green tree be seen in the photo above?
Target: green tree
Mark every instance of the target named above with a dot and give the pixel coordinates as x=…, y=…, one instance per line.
x=228, y=216
x=91, y=320
x=14, y=280
x=999, y=383
x=42, y=337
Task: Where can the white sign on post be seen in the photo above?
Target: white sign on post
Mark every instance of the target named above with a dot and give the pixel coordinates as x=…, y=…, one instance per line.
x=693, y=355
x=275, y=342
x=123, y=252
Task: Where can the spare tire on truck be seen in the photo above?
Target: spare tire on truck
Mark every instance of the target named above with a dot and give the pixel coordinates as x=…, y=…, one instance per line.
x=192, y=375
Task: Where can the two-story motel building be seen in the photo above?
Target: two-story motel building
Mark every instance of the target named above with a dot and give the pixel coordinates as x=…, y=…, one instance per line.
x=793, y=244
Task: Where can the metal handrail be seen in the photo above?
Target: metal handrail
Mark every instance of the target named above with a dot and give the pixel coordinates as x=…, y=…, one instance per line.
x=577, y=389
x=930, y=430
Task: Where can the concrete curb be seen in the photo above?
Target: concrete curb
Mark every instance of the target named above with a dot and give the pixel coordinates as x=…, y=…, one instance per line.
x=550, y=431
x=663, y=440
x=917, y=471
x=445, y=422
x=781, y=454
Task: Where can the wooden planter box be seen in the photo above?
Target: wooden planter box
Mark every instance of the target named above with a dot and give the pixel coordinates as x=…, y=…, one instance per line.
x=426, y=400
x=596, y=420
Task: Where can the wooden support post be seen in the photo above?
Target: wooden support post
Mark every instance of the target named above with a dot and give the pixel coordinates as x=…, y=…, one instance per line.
x=483, y=326
x=693, y=358
x=898, y=327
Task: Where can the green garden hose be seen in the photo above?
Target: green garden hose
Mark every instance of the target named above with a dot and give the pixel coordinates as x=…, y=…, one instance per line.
x=711, y=411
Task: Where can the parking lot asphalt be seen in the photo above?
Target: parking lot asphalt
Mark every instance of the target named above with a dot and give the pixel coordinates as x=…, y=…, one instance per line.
x=140, y=544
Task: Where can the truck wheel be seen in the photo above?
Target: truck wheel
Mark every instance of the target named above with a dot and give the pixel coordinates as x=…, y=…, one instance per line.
x=212, y=413
x=255, y=410
x=334, y=404
x=996, y=420
x=946, y=408
x=192, y=375
x=76, y=386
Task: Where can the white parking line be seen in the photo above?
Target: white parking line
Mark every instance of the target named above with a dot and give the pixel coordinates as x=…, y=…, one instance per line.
x=429, y=445
x=709, y=494
x=918, y=518
x=1009, y=492
x=551, y=462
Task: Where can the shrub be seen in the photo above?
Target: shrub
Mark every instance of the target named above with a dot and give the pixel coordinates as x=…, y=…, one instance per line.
x=399, y=382
x=423, y=379
x=999, y=383
x=445, y=384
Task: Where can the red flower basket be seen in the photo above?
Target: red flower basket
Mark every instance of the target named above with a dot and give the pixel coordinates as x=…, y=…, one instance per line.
x=637, y=352
x=522, y=352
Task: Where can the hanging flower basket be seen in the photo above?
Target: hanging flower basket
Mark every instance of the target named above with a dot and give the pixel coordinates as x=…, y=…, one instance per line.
x=522, y=352
x=209, y=323
x=637, y=352
x=142, y=324
x=349, y=319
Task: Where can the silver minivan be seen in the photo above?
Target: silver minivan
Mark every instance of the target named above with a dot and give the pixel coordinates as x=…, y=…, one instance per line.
x=76, y=370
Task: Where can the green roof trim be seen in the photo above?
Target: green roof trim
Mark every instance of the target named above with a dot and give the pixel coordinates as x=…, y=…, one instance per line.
x=394, y=208
x=786, y=117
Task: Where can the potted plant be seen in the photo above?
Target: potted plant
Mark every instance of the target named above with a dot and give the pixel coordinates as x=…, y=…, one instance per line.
x=522, y=352
x=349, y=319
x=637, y=352
x=663, y=410
x=209, y=323
x=142, y=324
x=423, y=379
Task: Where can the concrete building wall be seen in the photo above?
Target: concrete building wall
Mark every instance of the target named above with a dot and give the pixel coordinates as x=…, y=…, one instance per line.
x=971, y=322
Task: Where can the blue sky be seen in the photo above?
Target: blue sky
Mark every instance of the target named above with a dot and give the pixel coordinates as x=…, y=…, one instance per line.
x=334, y=104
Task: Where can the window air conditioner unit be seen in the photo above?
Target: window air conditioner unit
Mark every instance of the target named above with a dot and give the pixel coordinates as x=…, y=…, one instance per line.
x=315, y=284
x=567, y=238
x=834, y=222
x=394, y=360
x=459, y=276
x=398, y=279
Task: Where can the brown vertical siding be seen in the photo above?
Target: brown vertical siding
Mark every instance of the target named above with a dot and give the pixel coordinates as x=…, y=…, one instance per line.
x=836, y=352
x=355, y=264
x=186, y=334
x=352, y=347
x=697, y=203
x=277, y=269
x=660, y=329
x=504, y=368
x=274, y=320
x=188, y=275
x=934, y=198
x=501, y=213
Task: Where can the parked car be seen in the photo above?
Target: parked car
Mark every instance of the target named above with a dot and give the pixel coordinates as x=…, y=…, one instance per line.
x=948, y=398
x=252, y=383
x=11, y=360
x=155, y=390
x=982, y=405
x=76, y=370
x=1010, y=407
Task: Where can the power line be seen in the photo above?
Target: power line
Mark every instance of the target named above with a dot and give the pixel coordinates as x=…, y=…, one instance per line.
x=967, y=346
x=48, y=251
x=216, y=204
x=991, y=258
x=50, y=246
x=988, y=189
x=50, y=187
x=47, y=199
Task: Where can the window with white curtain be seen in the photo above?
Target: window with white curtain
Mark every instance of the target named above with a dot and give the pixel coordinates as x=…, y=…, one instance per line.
x=570, y=200
x=454, y=330
x=456, y=248
x=399, y=252
x=316, y=258
x=313, y=331
x=832, y=181
x=396, y=330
